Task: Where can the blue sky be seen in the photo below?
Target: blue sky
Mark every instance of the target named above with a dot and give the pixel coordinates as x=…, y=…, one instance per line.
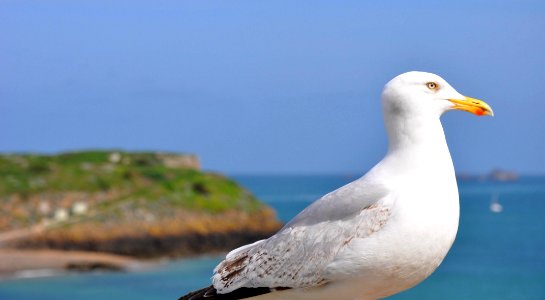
x=267, y=86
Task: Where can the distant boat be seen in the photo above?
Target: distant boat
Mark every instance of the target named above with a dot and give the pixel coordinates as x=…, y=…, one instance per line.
x=495, y=205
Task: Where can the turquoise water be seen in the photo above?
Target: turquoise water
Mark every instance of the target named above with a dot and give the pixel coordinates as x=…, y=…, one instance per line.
x=495, y=256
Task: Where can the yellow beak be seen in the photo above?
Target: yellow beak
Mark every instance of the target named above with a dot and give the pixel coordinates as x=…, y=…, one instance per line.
x=475, y=106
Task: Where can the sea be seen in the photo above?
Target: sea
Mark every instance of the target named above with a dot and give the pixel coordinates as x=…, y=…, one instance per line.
x=499, y=252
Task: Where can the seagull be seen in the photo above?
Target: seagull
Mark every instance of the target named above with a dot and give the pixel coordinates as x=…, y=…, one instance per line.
x=376, y=236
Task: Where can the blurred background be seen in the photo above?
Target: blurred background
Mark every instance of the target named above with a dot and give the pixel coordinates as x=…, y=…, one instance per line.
x=283, y=99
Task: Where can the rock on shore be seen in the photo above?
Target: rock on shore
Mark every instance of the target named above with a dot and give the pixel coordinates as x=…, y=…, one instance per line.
x=186, y=234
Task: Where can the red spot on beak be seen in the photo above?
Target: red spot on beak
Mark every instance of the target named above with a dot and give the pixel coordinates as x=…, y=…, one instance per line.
x=479, y=112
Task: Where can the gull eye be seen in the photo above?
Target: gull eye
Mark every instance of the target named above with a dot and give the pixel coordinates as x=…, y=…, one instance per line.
x=432, y=86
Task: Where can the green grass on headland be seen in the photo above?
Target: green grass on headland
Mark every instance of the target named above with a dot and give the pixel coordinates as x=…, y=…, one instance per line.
x=123, y=181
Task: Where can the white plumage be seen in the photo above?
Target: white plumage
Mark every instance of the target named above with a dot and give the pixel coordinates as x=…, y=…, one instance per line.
x=381, y=234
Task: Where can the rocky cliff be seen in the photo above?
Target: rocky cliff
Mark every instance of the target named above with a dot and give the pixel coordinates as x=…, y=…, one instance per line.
x=139, y=204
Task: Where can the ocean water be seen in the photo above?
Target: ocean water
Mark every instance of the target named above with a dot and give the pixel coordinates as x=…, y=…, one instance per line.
x=495, y=256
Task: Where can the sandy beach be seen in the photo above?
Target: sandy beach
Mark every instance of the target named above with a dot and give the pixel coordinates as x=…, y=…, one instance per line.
x=20, y=263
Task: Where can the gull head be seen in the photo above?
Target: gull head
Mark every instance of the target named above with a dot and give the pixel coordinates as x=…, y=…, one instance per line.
x=424, y=94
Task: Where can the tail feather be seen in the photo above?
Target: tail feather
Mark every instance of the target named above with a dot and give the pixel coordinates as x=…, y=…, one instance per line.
x=210, y=293
x=207, y=292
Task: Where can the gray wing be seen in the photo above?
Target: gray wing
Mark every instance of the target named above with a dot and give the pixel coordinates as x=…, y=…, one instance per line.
x=299, y=253
x=341, y=203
